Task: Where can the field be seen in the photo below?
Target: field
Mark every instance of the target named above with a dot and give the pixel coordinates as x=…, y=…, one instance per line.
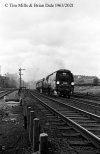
x=90, y=89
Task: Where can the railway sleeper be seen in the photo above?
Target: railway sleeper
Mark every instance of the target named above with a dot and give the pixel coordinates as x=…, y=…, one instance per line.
x=70, y=135
x=80, y=151
x=84, y=121
x=58, y=124
x=54, y=120
x=64, y=128
x=78, y=118
x=80, y=143
x=91, y=124
x=91, y=127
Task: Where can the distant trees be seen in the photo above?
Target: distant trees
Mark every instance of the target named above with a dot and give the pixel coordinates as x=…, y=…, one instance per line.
x=95, y=81
x=86, y=80
x=9, y=81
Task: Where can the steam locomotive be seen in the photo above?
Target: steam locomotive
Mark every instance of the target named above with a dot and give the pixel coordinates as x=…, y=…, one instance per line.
x=60, y=83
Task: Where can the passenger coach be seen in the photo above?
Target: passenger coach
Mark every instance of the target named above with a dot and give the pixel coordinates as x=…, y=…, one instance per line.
x=42, y=85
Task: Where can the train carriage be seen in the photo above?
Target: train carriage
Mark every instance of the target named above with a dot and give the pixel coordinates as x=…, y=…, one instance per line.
x=39, y=85
x=42, y=85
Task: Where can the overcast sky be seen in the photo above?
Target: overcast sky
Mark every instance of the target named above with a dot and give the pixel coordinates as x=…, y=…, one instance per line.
x=42, y=40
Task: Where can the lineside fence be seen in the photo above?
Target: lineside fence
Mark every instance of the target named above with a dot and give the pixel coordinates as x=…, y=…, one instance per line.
x=39, y=141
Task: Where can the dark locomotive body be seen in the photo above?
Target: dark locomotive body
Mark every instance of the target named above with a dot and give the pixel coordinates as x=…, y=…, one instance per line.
x=60, y=83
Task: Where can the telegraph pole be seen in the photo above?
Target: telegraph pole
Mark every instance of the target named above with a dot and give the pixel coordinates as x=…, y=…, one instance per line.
x=20, y=78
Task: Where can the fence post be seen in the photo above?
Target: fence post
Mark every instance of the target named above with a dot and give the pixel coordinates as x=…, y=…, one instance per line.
x=28, y=116
x=36, y=135
x=32, y=116
x=25, y=122
x=43, y=148
x=0, y=147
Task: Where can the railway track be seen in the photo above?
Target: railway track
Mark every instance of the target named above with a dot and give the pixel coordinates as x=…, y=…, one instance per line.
x=87, y=96
x=85, y=104
x=5, y=92
x=80, y=128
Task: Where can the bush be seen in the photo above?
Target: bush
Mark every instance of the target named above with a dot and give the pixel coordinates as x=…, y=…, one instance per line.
x=95, y=81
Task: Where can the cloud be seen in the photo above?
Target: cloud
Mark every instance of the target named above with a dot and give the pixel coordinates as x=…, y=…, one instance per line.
x=42, y=40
